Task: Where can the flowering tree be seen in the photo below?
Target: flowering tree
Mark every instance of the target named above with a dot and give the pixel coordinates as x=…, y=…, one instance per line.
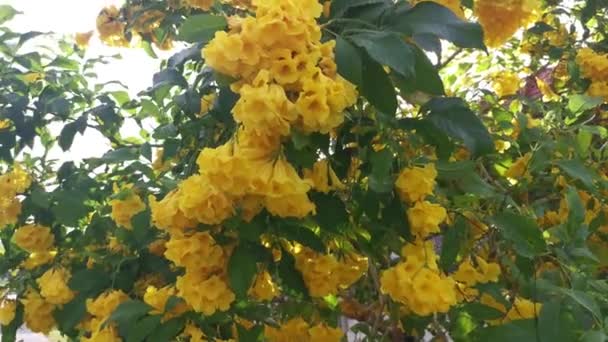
x=354, y=169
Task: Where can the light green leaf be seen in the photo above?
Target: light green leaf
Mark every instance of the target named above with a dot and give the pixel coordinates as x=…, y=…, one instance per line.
x=579, y=103
x=7, y=13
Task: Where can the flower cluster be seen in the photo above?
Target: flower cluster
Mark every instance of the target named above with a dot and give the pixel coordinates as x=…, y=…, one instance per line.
x=298, y=329
x=124, y=208
x=324, y=274
x=37, y=312
x=594, y=66
x=12, y=183
x=100, y=310
x=417, y=281
x=501, y=19
x=54, y=286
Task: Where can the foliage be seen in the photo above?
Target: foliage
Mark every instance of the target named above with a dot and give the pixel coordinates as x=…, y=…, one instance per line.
x=370, y=160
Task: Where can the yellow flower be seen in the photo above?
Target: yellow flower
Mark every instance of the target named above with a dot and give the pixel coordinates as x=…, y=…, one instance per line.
x=453, y=5
x=10, y=209
x=322, y=177
x=37, y=313
x=263, y=287
x=415, y=183
x=103, y=306
x=123, y=210
x=524, y=309
x=110, y=27
x=167, y=215
x=157, y=299
x=200, y=200
x=501, y=19
x=83, y=38
x=424, y=218
x=207, y=103
x=198, y=252
x=34, y=238
x=54, y=286
x=194, y=333
x=325, y=333
x=5, y=123
x=205, y=5
x=520, y=167
x=291, y=331
x=7, y=311
x=205, y=295
x=506, y=83
x=38, y=259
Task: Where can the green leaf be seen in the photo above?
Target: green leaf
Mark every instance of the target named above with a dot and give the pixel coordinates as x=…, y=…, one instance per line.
x=576, y=212
x=519, y=330
x=431, y=18
x=89, y=281
x=452, y=243
x=70, y=314
x=523, y=232
x=143, y=328
x=579, y=103
x=378, y=88
x=331, y=212
x=165, y=131
x=142, y=229
x=577, y=170
x=301, y=234
x=482, y=312
x=7, y=13
x=425, y=78
x=388, y=49
x=242, y=269
x=349, y=62
x=121, y=155
x=146, y=151
x=594, y=336
x=340, y=7
x=167, y=330
x=291, y=278
x=128, y=312
x=586, y=301
x=253, y=334
x=70, y=207
x=201, y=27
x=66, y=138
x=381, y=179
x=552, y=327
x=453, y=117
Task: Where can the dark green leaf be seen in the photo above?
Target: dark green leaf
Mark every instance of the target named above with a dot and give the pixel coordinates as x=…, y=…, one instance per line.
x=143, y=328
x=523, y=232
x=66, y=138
x=577, y=170
x=127, y=313
x=586, y=301
x=201, y=27
x=70, y=314
x=290, y=277
x=167, y=330
x=121, y=154
x=169, y=77
x=453, y=117
x=331, y=212
x=348, y=59
x=482, y=312
x=452, y=243
x=301, y=234
x=425, y=78
x=70, y=207
x=340, y=7
x=388, y=49
x=519, y=330
x=431, y=18
x=242, y=269
x=378, y=88
x=89, y=281
x=552, y=325
x=253, y=334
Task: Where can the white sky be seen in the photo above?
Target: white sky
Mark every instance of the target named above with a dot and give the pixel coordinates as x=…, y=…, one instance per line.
x=67, y=17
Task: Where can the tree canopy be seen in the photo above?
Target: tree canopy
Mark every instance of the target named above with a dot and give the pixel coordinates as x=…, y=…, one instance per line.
x=342, y=170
